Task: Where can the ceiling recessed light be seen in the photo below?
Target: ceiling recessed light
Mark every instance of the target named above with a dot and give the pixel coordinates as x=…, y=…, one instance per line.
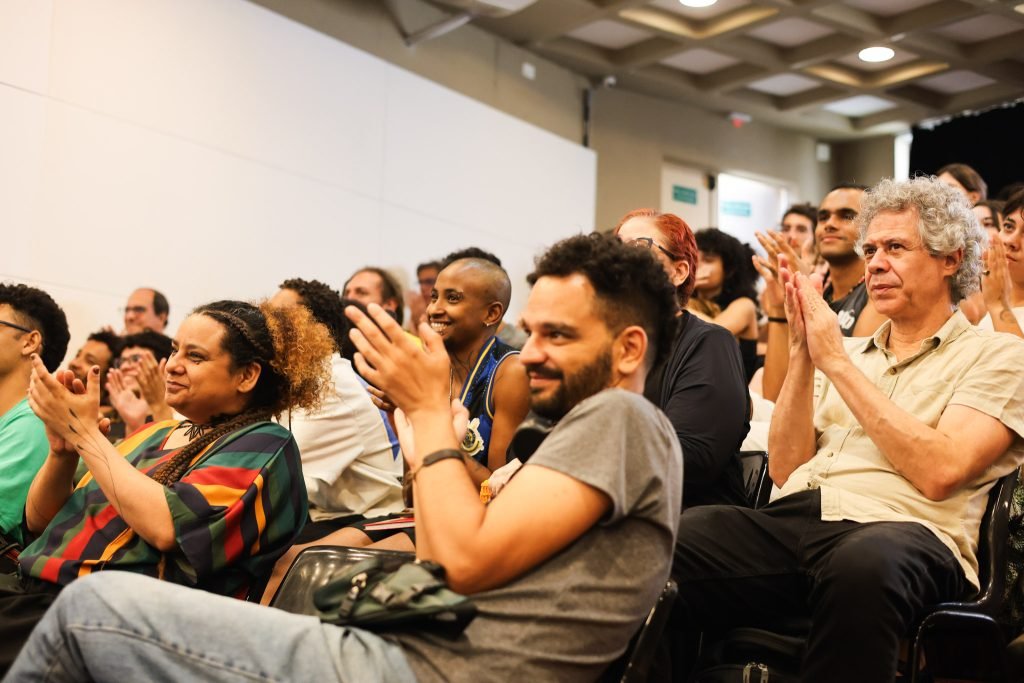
x=876, y=54
x=698, y=3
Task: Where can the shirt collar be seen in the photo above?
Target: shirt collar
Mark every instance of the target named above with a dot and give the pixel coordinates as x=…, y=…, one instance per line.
x=950, y=330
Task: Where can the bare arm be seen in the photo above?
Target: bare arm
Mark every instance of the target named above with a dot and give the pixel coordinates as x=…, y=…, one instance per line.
x=138, y=499
x=936, y=460
x=776, y=357
x=739, y=317
x=996, y=288
x=511, y=403
x=791, y=436
x=50, y=489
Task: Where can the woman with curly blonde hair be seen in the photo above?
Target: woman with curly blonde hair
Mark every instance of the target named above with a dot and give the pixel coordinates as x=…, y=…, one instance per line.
x=210, y=501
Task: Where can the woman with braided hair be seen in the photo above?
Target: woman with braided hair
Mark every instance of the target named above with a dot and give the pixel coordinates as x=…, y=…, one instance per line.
x=209, y=502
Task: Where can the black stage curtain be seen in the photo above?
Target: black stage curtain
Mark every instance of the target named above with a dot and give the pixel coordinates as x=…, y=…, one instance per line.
x=992, y=143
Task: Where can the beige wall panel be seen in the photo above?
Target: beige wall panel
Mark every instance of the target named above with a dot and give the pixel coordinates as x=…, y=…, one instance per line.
x=633, y=134
x=25, y=43
x=865, y=161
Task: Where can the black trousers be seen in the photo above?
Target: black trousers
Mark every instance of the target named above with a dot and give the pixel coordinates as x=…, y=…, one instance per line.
x=861, y=585
x=20, y=611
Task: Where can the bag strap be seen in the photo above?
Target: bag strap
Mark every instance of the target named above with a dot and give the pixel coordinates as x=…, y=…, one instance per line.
x=386, y=595
x=342, y=592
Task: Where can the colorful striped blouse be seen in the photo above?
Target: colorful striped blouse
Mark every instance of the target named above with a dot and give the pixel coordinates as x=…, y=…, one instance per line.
x=237, y=508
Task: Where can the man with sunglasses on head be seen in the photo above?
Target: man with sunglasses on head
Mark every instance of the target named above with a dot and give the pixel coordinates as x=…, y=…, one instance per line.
x=31, y=323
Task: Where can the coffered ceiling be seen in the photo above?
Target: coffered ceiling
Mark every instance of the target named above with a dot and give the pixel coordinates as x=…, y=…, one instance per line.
x=792, y=63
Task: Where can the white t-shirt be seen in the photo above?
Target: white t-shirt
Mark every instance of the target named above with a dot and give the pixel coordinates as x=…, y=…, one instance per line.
x=349, y=462
x=986, y=322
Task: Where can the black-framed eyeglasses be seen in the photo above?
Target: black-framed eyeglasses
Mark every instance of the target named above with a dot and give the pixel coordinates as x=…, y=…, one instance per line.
x=17, y=327
x=649, y=243
x=137, y=310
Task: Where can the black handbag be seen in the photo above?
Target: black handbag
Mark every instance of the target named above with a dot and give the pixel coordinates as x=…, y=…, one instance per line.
x=414, y=596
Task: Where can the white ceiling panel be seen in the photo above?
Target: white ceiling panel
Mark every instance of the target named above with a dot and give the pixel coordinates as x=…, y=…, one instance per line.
x=791, y=32
x=859, y=105
x=980, y=28
x=887, y=8
x=784, y=84
x=955, y=82
x=700, y=61
x=610, y=34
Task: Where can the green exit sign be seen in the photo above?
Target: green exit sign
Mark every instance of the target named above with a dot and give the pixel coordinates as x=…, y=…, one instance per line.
x=736, y=209
x=686, y=195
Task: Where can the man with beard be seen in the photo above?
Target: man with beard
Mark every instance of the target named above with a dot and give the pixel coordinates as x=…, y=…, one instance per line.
x=563, y=566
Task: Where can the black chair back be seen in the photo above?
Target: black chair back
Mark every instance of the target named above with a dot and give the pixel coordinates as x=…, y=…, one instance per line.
x=756, y=482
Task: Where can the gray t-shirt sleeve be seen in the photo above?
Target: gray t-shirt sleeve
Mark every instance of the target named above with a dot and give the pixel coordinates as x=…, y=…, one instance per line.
x=620, y=444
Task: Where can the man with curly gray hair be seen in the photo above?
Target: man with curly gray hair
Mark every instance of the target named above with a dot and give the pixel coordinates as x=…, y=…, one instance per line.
x=885, y=449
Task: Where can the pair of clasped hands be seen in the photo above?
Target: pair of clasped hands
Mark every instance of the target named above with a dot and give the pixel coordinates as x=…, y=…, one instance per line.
x=792, y=285
x=69, y=408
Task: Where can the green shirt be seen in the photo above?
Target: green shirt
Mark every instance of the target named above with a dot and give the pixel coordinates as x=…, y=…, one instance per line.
x=23, y=448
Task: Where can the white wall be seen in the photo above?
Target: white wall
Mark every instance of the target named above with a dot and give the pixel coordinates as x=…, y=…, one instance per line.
x=211, y=148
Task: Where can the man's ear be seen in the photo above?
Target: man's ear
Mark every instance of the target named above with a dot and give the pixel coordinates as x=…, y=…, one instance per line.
x=248, y=377
x=390, y=305
x=630, y=351
x=952, y=262
x=31, y=342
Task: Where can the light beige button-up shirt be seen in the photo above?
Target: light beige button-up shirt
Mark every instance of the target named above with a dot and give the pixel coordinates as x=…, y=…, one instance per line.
x=959, y=365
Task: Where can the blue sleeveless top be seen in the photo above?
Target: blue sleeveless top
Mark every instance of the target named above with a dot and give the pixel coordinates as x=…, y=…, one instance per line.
x=478, y=397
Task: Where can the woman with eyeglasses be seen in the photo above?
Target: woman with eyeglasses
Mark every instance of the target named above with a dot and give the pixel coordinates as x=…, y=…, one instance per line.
x=700, y=385
x=209, y=502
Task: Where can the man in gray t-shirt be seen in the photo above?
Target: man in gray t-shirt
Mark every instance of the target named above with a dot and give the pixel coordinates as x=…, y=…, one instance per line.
x=563, y=565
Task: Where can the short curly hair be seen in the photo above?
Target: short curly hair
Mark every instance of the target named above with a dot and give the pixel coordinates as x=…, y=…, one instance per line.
x=157, y=342
x=293, y=352
x=36, y=309
x=111, y=340
x=631, y=285
x=945, y=223
x=295, y=369
x=324, y=303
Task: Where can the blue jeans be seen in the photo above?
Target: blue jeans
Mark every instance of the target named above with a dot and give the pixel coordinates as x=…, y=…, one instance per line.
x=119, y=626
